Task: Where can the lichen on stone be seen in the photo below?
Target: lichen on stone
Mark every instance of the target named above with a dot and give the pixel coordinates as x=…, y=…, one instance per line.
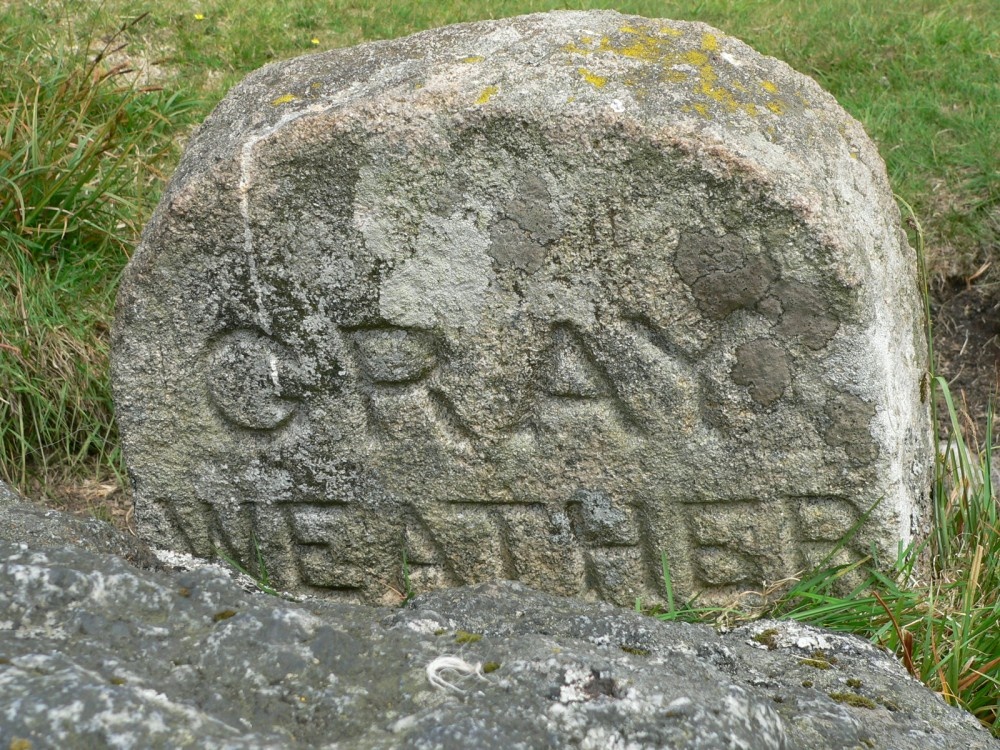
x=853, y=699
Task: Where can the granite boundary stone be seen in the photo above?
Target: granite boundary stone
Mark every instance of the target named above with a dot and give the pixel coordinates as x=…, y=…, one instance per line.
x=545, y=298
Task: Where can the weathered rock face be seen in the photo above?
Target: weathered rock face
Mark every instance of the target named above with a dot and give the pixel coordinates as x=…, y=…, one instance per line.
x=96, y=653
x=24, y=522
x=541, y=298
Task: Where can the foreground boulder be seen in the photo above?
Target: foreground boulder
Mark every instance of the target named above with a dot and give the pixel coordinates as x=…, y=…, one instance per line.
x=545, y=298
x=97, y=653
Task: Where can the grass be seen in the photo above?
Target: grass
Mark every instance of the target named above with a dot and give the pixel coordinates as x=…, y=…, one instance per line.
x=260, y=577
x=95, y=101
x=79, y=149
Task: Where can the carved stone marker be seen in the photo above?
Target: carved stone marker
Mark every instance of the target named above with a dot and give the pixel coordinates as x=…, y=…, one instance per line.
x=545, y=298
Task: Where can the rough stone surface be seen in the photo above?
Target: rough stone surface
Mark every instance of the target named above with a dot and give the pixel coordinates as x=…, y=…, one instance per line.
x=540, y=298
x=95, y=653
x=8, y=496
x=24, y=522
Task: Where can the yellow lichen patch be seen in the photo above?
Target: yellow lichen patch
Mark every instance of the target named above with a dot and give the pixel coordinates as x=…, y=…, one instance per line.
x=651, y=45
x=769, y=87
x=488, y=93
x=594, y=80
x=642, y=46
x=707, y=86
x=473, y=59
x=695, y=58
x=777, y=106
x=716, y=93
x=283, y=99
x=657, y=45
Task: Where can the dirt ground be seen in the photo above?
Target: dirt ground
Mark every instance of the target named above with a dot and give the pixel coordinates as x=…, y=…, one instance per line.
x=966, y=321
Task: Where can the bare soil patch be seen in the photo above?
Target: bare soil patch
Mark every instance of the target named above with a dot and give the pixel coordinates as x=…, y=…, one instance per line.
x=967, y=347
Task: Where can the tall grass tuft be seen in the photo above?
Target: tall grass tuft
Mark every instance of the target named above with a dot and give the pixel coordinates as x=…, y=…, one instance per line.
x=78, y=141
x=941, y=622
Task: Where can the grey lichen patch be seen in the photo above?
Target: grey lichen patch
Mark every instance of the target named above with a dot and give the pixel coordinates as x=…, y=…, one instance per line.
x=724, y=273
x=511, y=246
x=763, y=367
x=526, y=225
x=849, y=429
x=804, y=315
x=443, y=284
x=531, y=209
x=394, y=355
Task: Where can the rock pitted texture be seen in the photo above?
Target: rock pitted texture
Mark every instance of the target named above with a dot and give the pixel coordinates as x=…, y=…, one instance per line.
x=541, y=298
x=24, y=522
x=95, y=653
x=8, y=496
